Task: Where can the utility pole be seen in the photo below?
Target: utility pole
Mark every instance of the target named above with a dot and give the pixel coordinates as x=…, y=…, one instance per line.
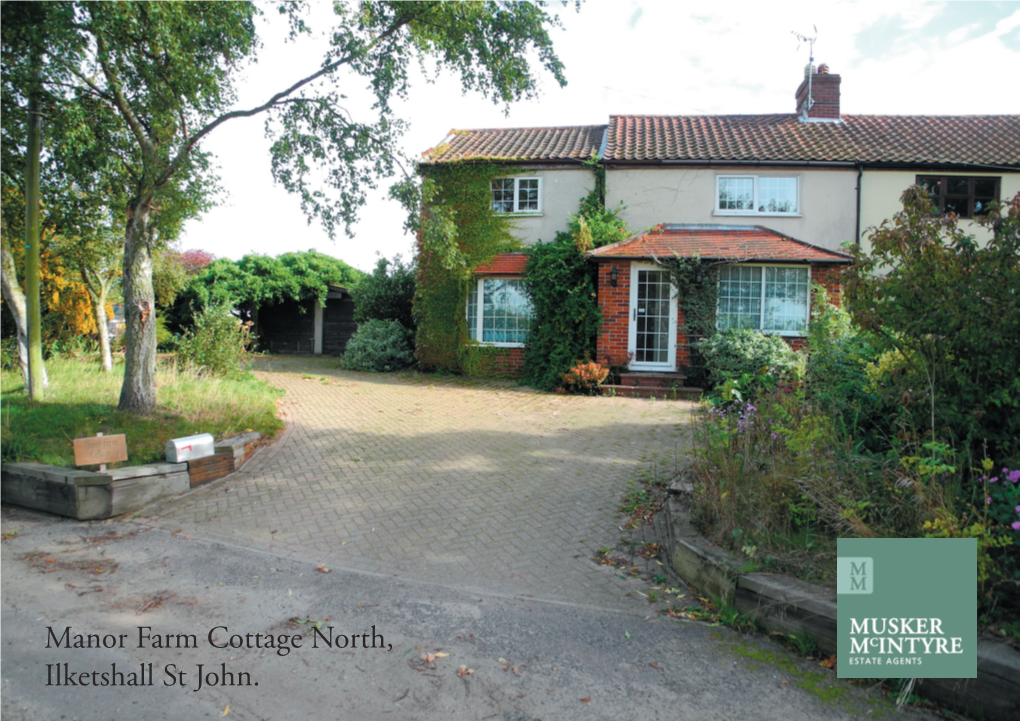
x=32, y=236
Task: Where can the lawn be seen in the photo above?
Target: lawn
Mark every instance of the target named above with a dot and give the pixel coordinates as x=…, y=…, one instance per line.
x=82, y=401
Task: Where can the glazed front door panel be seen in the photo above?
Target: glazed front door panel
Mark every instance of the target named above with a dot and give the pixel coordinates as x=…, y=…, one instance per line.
x=652, y=341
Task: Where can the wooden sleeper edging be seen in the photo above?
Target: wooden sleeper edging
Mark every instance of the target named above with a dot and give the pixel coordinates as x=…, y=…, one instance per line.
x=791, y=606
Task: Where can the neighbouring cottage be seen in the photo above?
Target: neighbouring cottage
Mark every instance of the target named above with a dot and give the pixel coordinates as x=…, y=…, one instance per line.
x=306, y=326
x=769, y=200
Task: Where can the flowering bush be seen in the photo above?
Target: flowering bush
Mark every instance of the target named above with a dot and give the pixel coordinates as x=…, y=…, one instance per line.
x=585, y=378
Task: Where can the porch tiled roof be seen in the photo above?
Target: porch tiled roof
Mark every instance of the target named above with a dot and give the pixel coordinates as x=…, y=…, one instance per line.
x=578, y=142
x=504, y=264
x=915, y=139
x=743, y=243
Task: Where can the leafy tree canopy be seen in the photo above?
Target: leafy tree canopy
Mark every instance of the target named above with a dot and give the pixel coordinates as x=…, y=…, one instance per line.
x=258, y=280
x=950, y=307
x=131, y=89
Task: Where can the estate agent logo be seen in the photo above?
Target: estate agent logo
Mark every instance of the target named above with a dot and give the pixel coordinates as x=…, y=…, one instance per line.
x=853, y=575
x=906, y=607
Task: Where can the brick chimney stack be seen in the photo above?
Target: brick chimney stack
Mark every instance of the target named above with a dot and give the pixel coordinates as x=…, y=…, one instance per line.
x=824, y=92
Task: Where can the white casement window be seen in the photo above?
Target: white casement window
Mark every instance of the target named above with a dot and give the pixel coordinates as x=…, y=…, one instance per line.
x=756, y=195
x=769, y=298
x=517, y=195
x=499, y=312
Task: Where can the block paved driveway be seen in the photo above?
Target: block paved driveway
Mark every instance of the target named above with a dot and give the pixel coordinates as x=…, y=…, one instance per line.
x=479, y=485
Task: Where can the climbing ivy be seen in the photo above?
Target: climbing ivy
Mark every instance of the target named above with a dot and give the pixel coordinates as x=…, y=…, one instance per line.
x=458, y=233
x=695, y=283
x=561, y=282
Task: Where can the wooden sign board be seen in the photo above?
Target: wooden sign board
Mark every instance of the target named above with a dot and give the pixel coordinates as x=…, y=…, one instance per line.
x=101, y=449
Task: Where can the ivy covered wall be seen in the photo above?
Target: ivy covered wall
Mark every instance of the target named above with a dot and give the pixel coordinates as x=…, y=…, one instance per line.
x=463, y=234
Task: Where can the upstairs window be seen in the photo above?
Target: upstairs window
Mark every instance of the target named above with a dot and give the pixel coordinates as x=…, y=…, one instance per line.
x=769, y=298
x=964, y=195
x=516, y=195
x=756, y=195
x=499, y=312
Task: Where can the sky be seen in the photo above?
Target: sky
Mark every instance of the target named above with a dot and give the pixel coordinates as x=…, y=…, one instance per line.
x=633, y=57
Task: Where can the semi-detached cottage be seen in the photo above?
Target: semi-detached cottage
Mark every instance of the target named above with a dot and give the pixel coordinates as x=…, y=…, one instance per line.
x=771, y=198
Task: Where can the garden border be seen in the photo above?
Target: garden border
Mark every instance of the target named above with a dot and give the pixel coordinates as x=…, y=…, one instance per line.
x=88, y=495
x=790, y=606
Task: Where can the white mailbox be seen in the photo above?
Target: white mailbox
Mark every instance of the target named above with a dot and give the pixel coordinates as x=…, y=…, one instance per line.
x=190, y=448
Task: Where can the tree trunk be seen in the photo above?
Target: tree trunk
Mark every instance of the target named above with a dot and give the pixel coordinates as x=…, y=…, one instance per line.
x=15, y=298
x=138, y=394
x=103, y=328
x=97, y=288
x=36, y=371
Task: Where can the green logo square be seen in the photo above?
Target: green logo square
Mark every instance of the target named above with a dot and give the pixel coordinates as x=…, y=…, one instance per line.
x=906, y=607
x=854, y=575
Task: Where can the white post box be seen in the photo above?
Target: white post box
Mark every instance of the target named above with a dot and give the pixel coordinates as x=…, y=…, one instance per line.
x=190, y=448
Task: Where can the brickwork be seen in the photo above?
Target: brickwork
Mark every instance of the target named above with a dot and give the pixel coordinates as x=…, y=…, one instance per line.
x=615, y=305
x=825, y=92
x=509, y=362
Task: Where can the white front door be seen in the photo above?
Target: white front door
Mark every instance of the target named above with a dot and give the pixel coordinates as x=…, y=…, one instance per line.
x=652, y=341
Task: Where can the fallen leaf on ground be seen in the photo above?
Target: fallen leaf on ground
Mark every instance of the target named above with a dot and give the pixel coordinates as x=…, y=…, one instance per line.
x=829, y=662
x=586, y=699
x=441, y=655
x=655, y=665
x=322, y=569
x=517, y=671
x=177, y=531
x=463, y=671
x=50, y=560
x=225, y=711
x=502, y=661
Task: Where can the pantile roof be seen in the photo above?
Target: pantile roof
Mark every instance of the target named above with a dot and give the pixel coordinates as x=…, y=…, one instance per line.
x=578, y=142
x=992, y=140
x=739, y=243
x=504, y=264
x=932, y=139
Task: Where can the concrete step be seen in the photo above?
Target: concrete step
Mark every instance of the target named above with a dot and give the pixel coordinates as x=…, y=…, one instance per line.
x=652, y=380
x=680, y=393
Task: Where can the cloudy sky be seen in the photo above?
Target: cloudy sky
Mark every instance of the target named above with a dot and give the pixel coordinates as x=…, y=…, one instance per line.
x=652, y=56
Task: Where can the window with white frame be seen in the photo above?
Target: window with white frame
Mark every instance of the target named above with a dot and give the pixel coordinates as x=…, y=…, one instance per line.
x=756, y=195
x=517, y=195
x=769, y=298
x=499, y=312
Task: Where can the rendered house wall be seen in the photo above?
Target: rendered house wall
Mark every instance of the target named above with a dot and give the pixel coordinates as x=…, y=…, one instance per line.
x=828, y=200
x=561, y=193
x=881, y=191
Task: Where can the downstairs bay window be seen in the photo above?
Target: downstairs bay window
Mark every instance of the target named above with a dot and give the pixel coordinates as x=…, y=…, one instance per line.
x=499, y=312
x=769, y=298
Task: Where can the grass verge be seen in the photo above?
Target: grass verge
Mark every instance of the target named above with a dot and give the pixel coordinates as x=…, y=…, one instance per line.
x=82, y=401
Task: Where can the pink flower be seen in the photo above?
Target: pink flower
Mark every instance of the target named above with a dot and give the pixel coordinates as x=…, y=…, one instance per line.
x=993, y=480
x=988, y=500
x=1016, y=525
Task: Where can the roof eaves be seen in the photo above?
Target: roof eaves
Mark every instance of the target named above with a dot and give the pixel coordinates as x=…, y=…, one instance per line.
x=843, y=257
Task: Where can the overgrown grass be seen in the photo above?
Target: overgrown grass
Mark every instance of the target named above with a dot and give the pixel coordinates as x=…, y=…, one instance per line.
x=82, y=401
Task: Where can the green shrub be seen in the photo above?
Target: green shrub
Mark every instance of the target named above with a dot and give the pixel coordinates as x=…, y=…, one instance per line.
x=838, y=362
x=735, y=353
x=387, y=294
x=217, y=344
x=561, y=282
x=379, y=346
x=951, y=307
